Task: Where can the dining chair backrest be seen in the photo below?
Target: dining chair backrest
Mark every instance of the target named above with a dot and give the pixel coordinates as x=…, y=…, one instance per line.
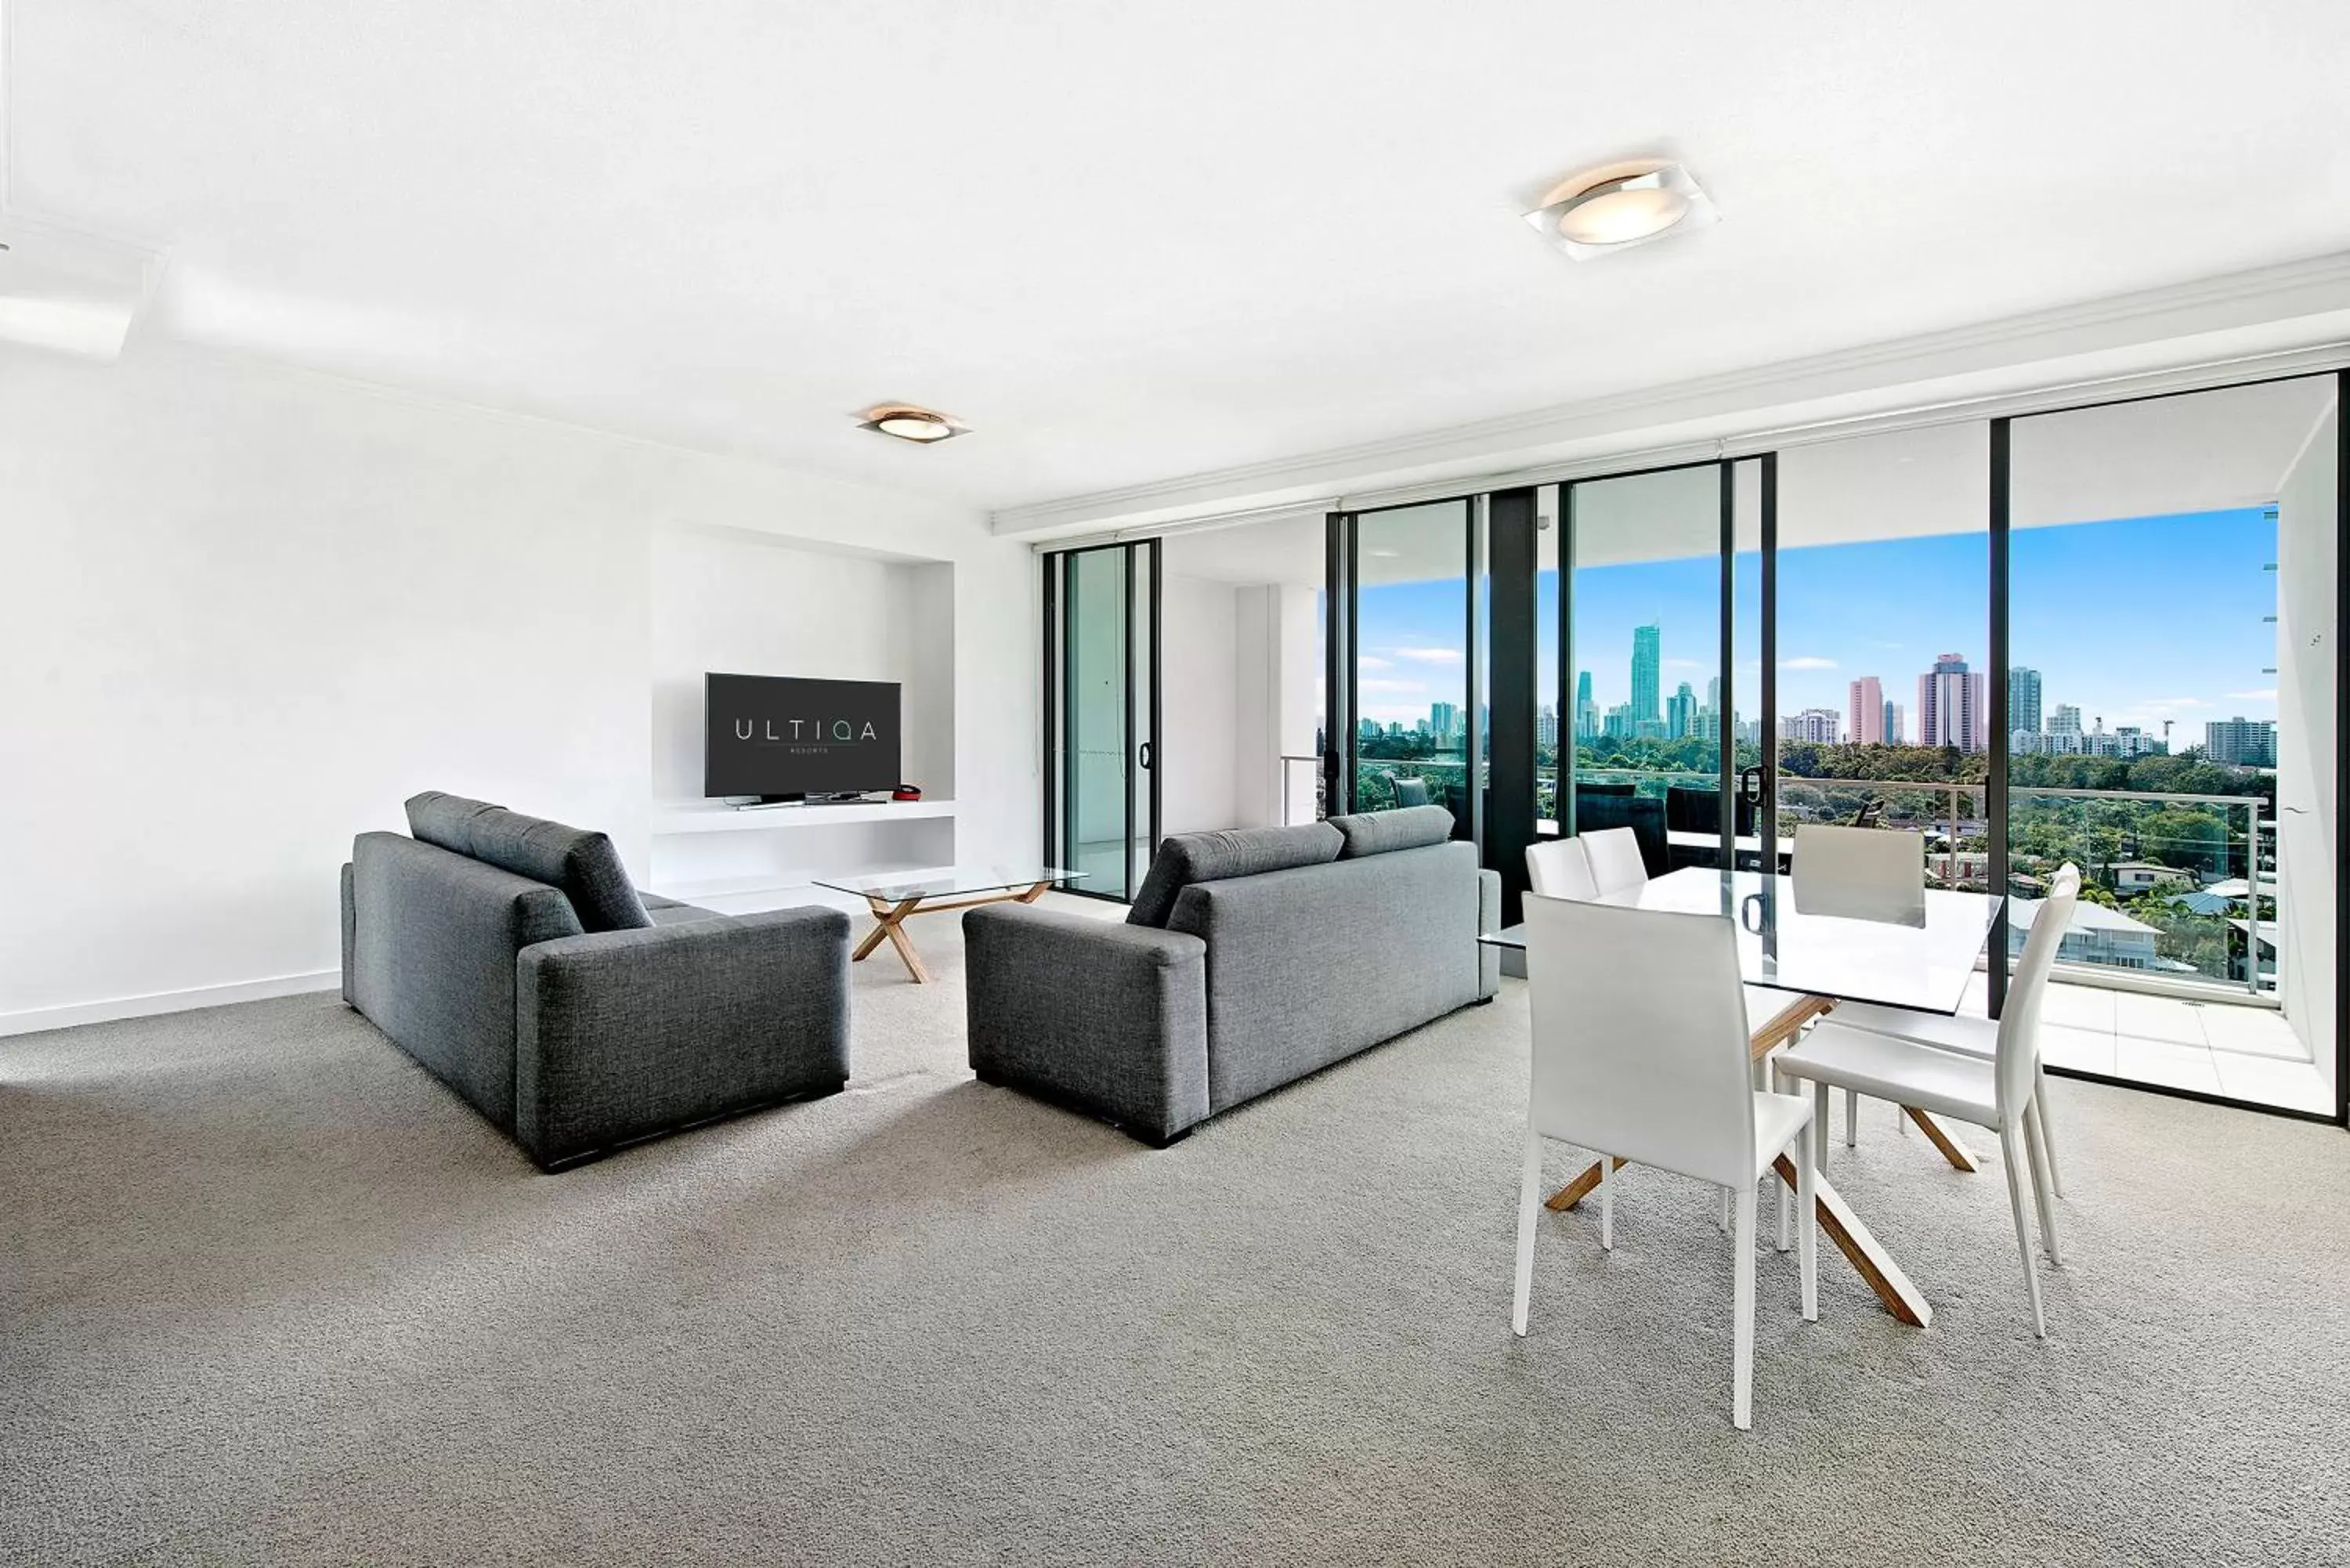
x=1640, y=1037
x=2018, y=1044
x=1558, y=869
x=1861, y=874
x=1614, y=854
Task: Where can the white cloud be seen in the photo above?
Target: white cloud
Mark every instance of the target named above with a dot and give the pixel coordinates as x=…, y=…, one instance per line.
x=1373, y=661
x=2267, y=695
x=1683, y=664
x=1390, y=687
x=1427, y=655
x=1807, y=661
x=2171, y=704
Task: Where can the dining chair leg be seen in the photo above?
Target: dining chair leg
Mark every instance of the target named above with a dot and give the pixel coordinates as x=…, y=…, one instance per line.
x=1608, y=1204
x=1529, y=1198
x=1725, y=1210
x=1787, y=1211
x=2047, y=1129
x=1742, y=1404
x=2012, y=1157
x=1820, y=1124
x=1778, y=1087
x=1901, y=1120
x=1807, y=1234
x=1852, y=1118
x=2035, y=1141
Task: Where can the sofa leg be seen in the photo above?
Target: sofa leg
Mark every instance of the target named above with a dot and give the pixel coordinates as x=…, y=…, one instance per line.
x=1169, y=1141
x=1484, y=1001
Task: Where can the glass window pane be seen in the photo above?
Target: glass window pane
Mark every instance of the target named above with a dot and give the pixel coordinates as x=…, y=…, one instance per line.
x=1411, y=658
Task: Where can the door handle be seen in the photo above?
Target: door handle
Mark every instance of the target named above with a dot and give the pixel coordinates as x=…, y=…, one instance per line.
x=1142, y=754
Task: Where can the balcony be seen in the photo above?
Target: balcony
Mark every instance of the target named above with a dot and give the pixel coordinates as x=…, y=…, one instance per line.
x=2154, y=983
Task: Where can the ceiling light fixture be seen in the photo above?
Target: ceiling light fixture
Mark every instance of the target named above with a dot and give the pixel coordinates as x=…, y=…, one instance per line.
x=907, y=423
x=1602, y=211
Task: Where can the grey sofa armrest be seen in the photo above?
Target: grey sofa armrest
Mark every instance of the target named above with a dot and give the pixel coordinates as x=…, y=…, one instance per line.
x=623, y=1034
x=1110, y=1018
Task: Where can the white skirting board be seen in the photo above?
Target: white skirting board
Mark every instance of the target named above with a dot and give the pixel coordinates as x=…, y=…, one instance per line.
x=40, y=1018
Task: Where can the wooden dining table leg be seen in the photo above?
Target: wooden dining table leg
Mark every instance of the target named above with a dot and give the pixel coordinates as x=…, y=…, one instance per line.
x=1581, y=1188
x=1864, y=1251
x=1959, y=1156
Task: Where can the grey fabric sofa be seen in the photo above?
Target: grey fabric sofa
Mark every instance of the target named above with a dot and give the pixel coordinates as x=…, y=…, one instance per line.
x=513, y=960
x=1249, y=959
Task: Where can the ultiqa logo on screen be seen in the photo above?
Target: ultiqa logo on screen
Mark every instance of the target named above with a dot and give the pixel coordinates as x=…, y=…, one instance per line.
x=806, y=730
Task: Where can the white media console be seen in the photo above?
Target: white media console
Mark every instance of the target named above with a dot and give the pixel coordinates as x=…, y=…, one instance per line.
x=738, y=861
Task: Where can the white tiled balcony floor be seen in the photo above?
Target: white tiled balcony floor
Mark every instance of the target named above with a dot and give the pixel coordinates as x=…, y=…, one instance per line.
x=2213, y=1047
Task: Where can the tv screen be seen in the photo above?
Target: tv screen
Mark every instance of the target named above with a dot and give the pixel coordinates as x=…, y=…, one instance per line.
x=777, y=735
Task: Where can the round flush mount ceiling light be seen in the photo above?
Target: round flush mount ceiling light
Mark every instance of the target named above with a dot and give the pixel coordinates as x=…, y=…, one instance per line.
x=907, y=423
x=1603, y=210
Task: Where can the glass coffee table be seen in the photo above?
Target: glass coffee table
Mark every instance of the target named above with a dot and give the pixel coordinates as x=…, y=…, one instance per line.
x=895, y=895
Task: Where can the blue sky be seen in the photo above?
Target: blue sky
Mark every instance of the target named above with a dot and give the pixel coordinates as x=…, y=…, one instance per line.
x=2137, y=621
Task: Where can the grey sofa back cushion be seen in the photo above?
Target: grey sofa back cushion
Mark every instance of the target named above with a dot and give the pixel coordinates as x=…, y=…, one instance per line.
x=1307, y=967
x=1384, y=832
x=434, y=940
x=1190, y=857
x=583, y=864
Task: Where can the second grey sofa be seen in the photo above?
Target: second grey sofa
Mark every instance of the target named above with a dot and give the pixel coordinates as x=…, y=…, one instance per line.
x=513, y=959
x=1249, y=959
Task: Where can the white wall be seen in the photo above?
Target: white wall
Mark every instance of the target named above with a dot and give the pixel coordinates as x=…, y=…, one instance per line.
x=1197, y=706
x=1279, y=665
x=2308, y=661
x=251, y=611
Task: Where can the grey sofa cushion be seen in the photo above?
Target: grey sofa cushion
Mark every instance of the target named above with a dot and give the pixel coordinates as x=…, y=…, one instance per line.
x=1190, y=857
x=583, y=864
x=1381, y=832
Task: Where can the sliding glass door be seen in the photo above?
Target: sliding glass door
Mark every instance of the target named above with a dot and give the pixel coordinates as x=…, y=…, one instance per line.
x=1101, y=705
x=1644, y=609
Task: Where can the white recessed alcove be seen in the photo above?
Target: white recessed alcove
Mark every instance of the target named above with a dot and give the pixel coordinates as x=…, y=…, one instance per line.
x=742, y=602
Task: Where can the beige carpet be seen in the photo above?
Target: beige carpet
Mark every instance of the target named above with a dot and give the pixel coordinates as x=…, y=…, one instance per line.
x=272, y=1295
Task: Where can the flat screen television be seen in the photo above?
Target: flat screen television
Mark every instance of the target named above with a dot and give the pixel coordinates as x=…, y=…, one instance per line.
x=778, y=737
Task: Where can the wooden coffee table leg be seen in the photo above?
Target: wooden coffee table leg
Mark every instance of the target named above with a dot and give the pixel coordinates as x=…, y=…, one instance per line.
x=890, y=925
x=1865, y=1253
x=1943, y=1138
x=1033, y=894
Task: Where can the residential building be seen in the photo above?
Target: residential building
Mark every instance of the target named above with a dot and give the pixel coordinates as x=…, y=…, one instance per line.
x=1620, y=723
x=1546, y=726
x=2023, y=699
x=1586, y=712
x=1896, y=718
x=2064, y=720
x=1865, y=713
x=1814, y=726
x=2248, y=743
x=1952, y=707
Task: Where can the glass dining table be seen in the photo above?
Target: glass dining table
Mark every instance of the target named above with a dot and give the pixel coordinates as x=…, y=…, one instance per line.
x=1921, y=962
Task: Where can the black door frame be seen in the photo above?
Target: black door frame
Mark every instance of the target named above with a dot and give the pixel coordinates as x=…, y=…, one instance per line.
x=1142, y=628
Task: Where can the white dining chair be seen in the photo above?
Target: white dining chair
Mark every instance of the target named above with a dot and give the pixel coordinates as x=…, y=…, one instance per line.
x=1614, y=854
x=1977, y=1037
x=1558, y=869
x=1860, y=874
x=1640, y=1048
x=2000, y=1094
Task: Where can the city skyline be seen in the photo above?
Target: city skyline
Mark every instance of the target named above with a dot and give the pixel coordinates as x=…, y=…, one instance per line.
x=2132, y=622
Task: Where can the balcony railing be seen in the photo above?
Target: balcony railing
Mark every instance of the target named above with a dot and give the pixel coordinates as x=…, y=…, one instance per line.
x=2176, y=887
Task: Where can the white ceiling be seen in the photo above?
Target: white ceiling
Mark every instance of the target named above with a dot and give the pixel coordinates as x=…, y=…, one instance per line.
x=1127, y=243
